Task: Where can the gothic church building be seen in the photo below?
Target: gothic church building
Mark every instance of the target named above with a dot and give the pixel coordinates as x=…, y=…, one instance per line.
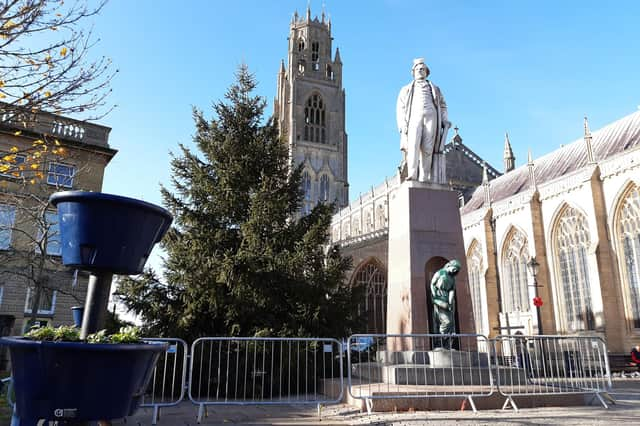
x=576, y=211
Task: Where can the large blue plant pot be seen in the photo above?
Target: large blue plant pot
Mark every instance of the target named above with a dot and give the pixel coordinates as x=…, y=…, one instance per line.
x=79, y=381
x=104, y=232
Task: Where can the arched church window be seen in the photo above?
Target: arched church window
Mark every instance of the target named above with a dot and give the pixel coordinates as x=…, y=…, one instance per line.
x=355, y=226
x=314, y=119
x=301, y=66
x=315, y=55
x=329, y=72
x=628, y=230
x=306, y=185
x=368, y=221
x=476, y=285
x=345, y=230
x=324, y=188
x=381, y=217
x=515, y=290
x=571, y=239
x=300, y=44
x=374, y=280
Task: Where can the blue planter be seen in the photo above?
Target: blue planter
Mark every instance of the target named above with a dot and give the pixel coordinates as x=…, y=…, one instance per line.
x=79, y=381
x=78, y=312
x=103, y=232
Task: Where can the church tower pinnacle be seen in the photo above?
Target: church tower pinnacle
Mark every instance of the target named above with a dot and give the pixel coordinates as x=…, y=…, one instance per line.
x=509, y=158
x=310, y=109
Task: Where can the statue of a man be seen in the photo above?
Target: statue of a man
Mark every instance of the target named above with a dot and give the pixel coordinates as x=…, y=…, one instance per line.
x=443, y=296
x=422, y=121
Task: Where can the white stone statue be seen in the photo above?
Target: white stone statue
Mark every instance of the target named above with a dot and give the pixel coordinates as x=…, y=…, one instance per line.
x=422, y=120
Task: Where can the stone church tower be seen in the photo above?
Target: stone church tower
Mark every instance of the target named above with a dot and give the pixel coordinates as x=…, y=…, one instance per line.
x=310, y=109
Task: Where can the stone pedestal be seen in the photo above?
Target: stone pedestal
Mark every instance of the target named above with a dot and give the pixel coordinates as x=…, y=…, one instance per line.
x=424, y=226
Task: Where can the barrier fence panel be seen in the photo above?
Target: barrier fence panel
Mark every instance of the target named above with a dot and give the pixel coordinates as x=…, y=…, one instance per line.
x=551, y=365
x=245, y=370
x=168, y=382
x=419, y=365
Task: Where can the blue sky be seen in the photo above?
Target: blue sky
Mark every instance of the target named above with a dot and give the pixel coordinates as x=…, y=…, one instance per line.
x=532, y=68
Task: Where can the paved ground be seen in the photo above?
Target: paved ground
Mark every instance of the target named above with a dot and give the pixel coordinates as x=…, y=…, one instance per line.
x=626, y=411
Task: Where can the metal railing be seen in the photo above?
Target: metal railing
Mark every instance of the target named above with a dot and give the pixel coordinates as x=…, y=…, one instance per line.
x=551, y=365
x=419, y=366
x=254, y=370
x=169, y=380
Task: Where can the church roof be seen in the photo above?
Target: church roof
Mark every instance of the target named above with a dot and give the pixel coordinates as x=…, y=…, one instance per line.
x=612, y=139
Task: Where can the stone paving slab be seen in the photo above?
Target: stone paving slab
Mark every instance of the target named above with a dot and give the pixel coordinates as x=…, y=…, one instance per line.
x=626, y=411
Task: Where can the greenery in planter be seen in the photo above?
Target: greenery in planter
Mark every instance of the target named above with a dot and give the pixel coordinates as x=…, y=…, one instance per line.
x=68, y=333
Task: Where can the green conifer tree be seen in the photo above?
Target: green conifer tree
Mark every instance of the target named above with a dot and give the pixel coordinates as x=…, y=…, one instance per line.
x=239, y=262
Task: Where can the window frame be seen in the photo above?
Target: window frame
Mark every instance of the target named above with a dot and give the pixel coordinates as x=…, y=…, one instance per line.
x=52, y=311
x=9, y=228
x=57, y=177
x=10, y=175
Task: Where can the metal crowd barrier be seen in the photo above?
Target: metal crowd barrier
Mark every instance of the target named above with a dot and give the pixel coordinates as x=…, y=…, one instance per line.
x=169, y=381
x=253, y=370
x=551, y=365
x=419, y=366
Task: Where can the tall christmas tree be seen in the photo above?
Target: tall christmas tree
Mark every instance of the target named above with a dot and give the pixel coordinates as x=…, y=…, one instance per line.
x=238, y=261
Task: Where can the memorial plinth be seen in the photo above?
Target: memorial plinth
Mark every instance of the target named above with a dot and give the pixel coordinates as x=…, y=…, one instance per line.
x=424, y=229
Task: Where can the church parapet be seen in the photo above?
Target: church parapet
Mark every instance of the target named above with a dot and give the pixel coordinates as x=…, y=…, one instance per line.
x=366, y=217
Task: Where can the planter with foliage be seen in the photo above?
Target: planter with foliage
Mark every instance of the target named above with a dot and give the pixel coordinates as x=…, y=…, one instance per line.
x=81, y=375
x=104, y=232
x=56, y=376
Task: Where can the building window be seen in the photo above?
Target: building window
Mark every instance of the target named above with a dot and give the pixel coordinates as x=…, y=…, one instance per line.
x=17, y=166
x=53, y=246
x=476, y=285
x=315, y=55
x=324, y=188
x=60, y=175
x=574, y=290
x=300, y=44
x=368, y=220
x=1, y=293
x=345, y=231
x=47, y=305
x=628, y=230
x=374, y=280
x=515, y=292
x=7, y=218
x=381, y=217
x=315, y=120
x=355, y=226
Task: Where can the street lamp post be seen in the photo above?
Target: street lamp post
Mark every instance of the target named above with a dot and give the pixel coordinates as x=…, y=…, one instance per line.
x=534, y=268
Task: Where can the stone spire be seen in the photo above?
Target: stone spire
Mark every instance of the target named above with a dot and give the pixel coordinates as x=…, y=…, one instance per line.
x=509, y=158
x=532, y=172
x=309, y=12
x=486, y=186
x=337, y=59
x=282, y=70
x=587, y=141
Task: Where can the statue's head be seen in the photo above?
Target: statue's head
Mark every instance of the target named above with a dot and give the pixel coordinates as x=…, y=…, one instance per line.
x=420, y=70
x=453, y=267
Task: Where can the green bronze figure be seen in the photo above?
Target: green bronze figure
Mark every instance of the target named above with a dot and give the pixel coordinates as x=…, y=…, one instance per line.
x=443, y=295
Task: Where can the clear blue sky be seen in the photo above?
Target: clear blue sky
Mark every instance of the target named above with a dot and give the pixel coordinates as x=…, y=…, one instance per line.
x=532, y=68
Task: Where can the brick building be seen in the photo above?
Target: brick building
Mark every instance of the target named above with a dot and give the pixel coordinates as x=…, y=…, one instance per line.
x=25, y=216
